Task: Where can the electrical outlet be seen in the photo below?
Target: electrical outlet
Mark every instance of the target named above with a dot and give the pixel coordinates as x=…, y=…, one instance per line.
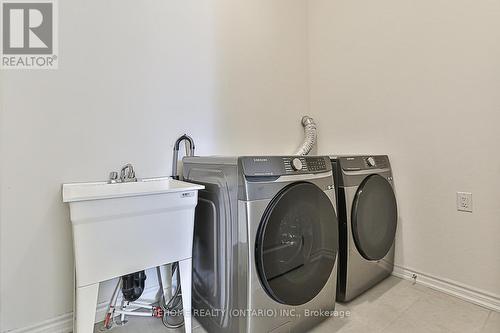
x=464, y=201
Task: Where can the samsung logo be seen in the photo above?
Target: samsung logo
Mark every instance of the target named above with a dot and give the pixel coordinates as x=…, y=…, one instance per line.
x=260, y=159
x=187, y=194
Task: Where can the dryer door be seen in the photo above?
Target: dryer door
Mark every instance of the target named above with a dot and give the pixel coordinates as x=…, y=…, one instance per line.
x=296, y=244
x=374, y=217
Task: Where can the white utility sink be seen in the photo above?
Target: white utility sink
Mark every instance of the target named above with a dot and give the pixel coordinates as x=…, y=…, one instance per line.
x=123, y=228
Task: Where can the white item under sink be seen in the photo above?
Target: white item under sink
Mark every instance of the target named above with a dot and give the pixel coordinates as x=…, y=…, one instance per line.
x=123, y=228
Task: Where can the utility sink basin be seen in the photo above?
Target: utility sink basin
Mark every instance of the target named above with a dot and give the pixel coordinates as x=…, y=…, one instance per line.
x=103, y=190
x=123, y=228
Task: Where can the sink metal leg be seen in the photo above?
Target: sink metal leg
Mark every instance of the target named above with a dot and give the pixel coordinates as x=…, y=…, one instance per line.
x=85, y=307
x=185, y=269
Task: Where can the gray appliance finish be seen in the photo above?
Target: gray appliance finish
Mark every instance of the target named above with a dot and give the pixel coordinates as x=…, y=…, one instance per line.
x=265, y=242
x=367, y=213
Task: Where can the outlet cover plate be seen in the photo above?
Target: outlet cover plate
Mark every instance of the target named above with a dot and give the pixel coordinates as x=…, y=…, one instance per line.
x=464, y=201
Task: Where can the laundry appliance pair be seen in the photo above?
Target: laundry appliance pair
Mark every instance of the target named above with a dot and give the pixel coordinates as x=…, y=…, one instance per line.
x=268, y=243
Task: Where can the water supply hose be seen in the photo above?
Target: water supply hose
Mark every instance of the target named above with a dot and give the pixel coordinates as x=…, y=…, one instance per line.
x=309, y=136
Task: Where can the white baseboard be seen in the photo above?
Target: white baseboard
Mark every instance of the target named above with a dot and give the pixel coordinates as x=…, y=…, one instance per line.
x=467, y=293
x=64, y=323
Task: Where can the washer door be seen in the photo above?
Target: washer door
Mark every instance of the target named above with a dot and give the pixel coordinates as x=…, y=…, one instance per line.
x=374, y=217
x=296, y=244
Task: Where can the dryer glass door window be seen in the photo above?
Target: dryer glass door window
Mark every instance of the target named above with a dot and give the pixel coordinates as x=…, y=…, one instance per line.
x=296, y=244
x=374, y=217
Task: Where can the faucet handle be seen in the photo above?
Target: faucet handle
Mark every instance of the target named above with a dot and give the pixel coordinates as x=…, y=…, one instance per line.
x=127, y=174
x=113, y=177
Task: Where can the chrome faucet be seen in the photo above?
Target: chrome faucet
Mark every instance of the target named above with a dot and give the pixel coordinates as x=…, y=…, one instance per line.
x=127, y=175
x=189, y=152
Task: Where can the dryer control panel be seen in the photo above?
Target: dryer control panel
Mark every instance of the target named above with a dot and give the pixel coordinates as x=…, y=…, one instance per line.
x=284, y=165
x=358, y=163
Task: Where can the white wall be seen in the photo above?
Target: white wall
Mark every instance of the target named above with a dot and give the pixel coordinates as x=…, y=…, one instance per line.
x=420, y=81
x=132, y=77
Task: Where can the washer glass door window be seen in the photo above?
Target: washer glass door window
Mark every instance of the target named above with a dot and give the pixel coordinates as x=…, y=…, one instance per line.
x=296, y=245
x=374, y=217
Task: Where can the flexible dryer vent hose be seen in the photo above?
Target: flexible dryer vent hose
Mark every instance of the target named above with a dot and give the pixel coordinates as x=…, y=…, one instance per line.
x=310, y=136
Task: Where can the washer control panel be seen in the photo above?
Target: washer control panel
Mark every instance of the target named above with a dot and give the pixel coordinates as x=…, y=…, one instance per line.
x=284, y=165
x=305, y=164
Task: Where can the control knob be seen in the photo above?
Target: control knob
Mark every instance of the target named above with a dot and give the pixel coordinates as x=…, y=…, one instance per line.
x=296, y=164
x=370, y=161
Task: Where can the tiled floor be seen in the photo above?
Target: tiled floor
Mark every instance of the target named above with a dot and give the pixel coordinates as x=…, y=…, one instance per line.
x=393, y=306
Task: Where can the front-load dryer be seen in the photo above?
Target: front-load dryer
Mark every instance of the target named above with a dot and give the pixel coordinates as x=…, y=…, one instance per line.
x=368, y=216
x=265, y=244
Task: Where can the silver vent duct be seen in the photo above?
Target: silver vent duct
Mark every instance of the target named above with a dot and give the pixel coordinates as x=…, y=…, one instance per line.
x=309, y=136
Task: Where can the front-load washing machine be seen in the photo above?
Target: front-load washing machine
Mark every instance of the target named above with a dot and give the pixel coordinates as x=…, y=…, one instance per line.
x=265, y=243
x=368, y=216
